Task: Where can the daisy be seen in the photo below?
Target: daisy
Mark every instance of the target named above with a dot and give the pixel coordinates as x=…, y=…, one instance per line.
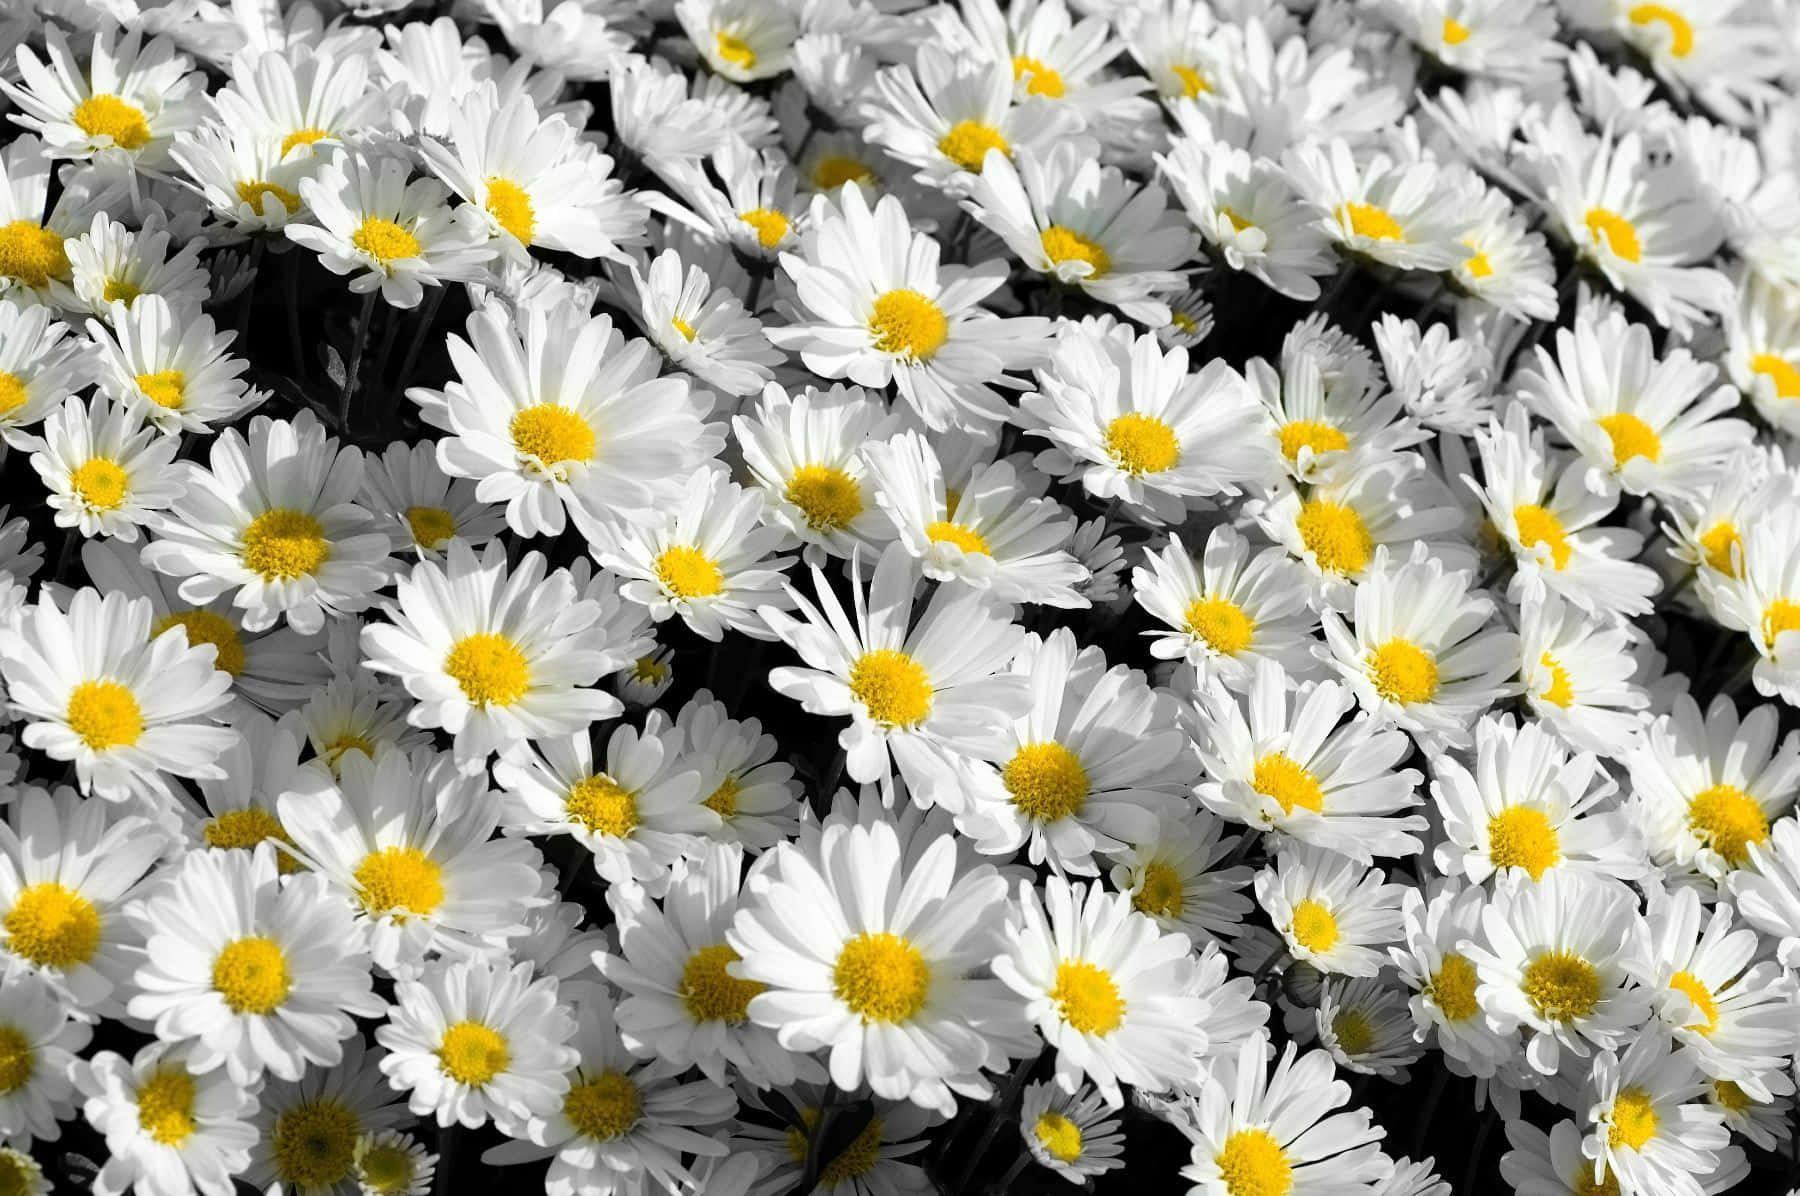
x=1511, y=267
x=388, y=234
x=243, y=175
x=871, y=961
x=477, y=1039
x=388, y=1163
x=407, y=841
x=307, y=103
x=754, y=794
x=422, y=507
x=1070, y=1133
x=1333, y=912
x=1578, y=675
x=32, y=234
x=167, y=1130
x=94, y=688
x=24, y=1173
x=1175, y=876
x=1442, y=379
x=1059, y=59
x=1767, y=889
x=1425, y=655
x=174, y=364
x=1325, y=413
x=1411, y=215
x=648, y=677
x=555, y=410
x=358, y=712
x=740, y=40
x=491, y=654
x=105, y=471
x=1761, y=598
x=1706, y=787
x=1727, y=55
x=756, y=212
x=111, y=263
x=881, y=1159
x=701, y=328
x=1552, y=1164
x=881, y=308
x=127, y=101
x=39, y=1042
x=1091, y=766
x=1553, y=962
x=1137, y=427
x=637, y=815
x=1253, y=1129
x=1650, y=1127
x=1367, y=1028
x=1481, y=37
x=251, y=970
x=309, y=1129
x=1283, y=760
x=292, y=542
x=1249, y=215
x=1762, y=354
x=41, y=365
x=1439, y=925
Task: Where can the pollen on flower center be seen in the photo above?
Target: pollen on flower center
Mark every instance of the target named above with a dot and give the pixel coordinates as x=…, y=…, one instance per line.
x=1455, y=32
x=1561, y=986
x=1560, y=691
x=1728, y=820
x=834, y=170
x=1353, y=1032
x=968, y=142
x=828, y=497
x=106, y=115
x=251, y=974
x=735, y=50
x=1779, y=616
x=1290, y=784
x=100, y=483
x=1315, y=927
x=686, y=572
x=1633, y=1119
x=682, y=326
x=252, y=191
x=908, y=324
x=472, y=1053
x=1336, y=536
x=1631, y=437
x=399, y=881
x=1370, y=220
x=1060, y=1137
x=120, y=290
x=1087, y=997
x=166, y=1106
x=1306, y=433
x=243, y=829
x=1537, y=525
x=712, y=994
x=552, y=434
x=1062, y=244
x=602, y=805
x=1780, y=371
x=1159, y=893
x=31, y=253
x=769, y=225
x=384, y=1167
x=299, y=137
x=1140, y=443
x=892, y=687
x=384, y=240
x=1696, y=991
x=489, y=668
x=1522, y=837
x=314, y=1144
x=1728, y=1095
x=605, y=1107
x=1618, y=234
x=1403, y=672
x=1478, y=264
x=1222, y=623
x=1192, y=81
x=943, y=531
x=12, y=387
x=166, y=388
x=1452, y=988
x=857, y=1158
x=510, y=206
x=430, y=526
x=1040, y=80
x=52, y=926
x=105, y=715
x=881, y=977
x=1046, y=781
x=17, y=1062
x=282, y=544
x=1253, y=1164
x=1681, y=32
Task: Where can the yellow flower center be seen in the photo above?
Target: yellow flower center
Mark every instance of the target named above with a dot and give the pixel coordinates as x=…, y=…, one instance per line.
x=552, y=434
x=31, y=253
x=1730, y=1096
x=1478, y=265
x=105, y=715
x=882, y=978
x=1046, y=781
x=723, y=800
x=1355, y=1035
x=968, y=142
x=1222, y=623
x=1141, y=444
x=1066, y=245
x=489, y=668
x=1728, y=820
x=1779, y=616
x=1616, y=233
x=472, y=1053
x=649, y=671
x=1041, y=80
x=205, y=627
x=1370, y=220
x=1336, y=536
x=12, y=388
x=1159, y=892
x=314, y=1144
x=166, y=1106
x=686, y=572
x=108, y=116
x=306, y=136
x=1315, y=927
x=251, y=974
x=1060, y=1137
x=909, y=325
x=52, y=926
x=943, y=531
x=1279, y=777
x=1253, y=1164
x=603, y=806
x=1561, y=690
x=1631, y=437
x=242, y=830
x=17, y=1061
x=1192, y=81
x=712, y=994
x=1452, y=988
x=1238, y=221
x=1561, y=986
x=828, y=497
x=1633, y=1119
x=1681, y=32
x=1781, y=372
x=1087, y=997
x=770, y=226
x=1522, y=837
x=735, y=50
x=682, y=326
x=1696, y=991
x=430, y=526
x=604, y=1108
x=510, y=206
x=386, y=1168
x=251, y=191
x=384, y=240
x=120, y=290
x=892, y=687
x=1455, y=32
x=100, y=483
x=858, y=1158
x=1539, y=526
x=282, y=544
x=166, y=388
x=1403, y=672
x=399, y=881
x=834, y=170
x=1305, y=433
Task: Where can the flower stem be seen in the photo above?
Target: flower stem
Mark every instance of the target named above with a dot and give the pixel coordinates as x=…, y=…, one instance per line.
x=356, y=356
x=1009, y=1098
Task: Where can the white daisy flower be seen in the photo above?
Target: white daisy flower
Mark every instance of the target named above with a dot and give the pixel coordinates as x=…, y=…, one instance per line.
x=309, y=1129
x=106, y=472
x=1176, y=877
x=1112, y=993
x=358, y=712
x=423, y=507
x=882, y=1158
x=166, y=1128
x=1366, y=1026
x=41, y=365
x=128, y=100
x=1325, y=414
x=307, y=103
x=1060, y=59
x=1510, y=267
x=1442, y=378
x=1439, y=924
x=39, y=1041
x=648, y=677
x=756, y=212
x=173, y=364
x=1070, y=1134
x=1552, y=1164
x=111, y=263
x=739, y=39
x=238, y=810
x=1333, y=912
x=32, y=232
x=1411, y=215
x=242, y=174
x=1481, y=37
x=1762, y=598
x=1249, y=214
x=1767, y=888
x=701, y=328
x=477, y=1039
x=389, y=1163
x=1578, y=675
x=1727, y=55
x=1762, y=350
x=1650, y=1126
x=755, y=795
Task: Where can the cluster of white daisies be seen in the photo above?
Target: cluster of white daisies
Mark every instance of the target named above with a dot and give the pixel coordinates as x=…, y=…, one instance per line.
x=877, y=598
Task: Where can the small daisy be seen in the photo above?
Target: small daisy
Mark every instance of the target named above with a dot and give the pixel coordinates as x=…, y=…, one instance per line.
x=32, y=234
x=41, y=365
x=1762, y=354
x=128, y=100
x=1333, y=912
x=105, y=471
x=1728, y=54
x=242, y=174
x=1440, y=923
x=476, y=1039
x=1367, y=1028
x=1061, y=59
x=1511, y=267
x=740, y=40
x=389, y=1163
x=172, y=363
x=24, y=1174
x=1071, y=1134
x=754, y=794
x=1650, y=1126
x=422, y=507
x=1249, y=215
x=307, y=103
x=1552, y=1164
x=1175, y=876
x=167, y=1129
x=1326, y=411
x=756, y=212
x=39, y=1042
x=1442, y=378
x=309, y=1129
x=883, y=1158
x=1412, y=215
x=1767, y=888
x=1761, y=597
x=1483, y=38
x=1284, y=760
x=111, y=263
x=701, y=328
x=1578, y=675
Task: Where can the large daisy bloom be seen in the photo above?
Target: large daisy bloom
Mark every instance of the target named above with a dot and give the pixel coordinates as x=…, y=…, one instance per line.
x=1650, y=1126
x=128, y=100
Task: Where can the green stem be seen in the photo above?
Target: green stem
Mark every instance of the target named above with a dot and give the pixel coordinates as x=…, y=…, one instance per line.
x=363, y=320
x=1481, y=1136
x=1009, y=1097
x=816, y=1140
x=1012, y=1173
x=427, y=317
x=253, y=264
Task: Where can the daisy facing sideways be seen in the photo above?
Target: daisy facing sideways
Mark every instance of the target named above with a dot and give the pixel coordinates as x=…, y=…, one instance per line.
x=167, y=1128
